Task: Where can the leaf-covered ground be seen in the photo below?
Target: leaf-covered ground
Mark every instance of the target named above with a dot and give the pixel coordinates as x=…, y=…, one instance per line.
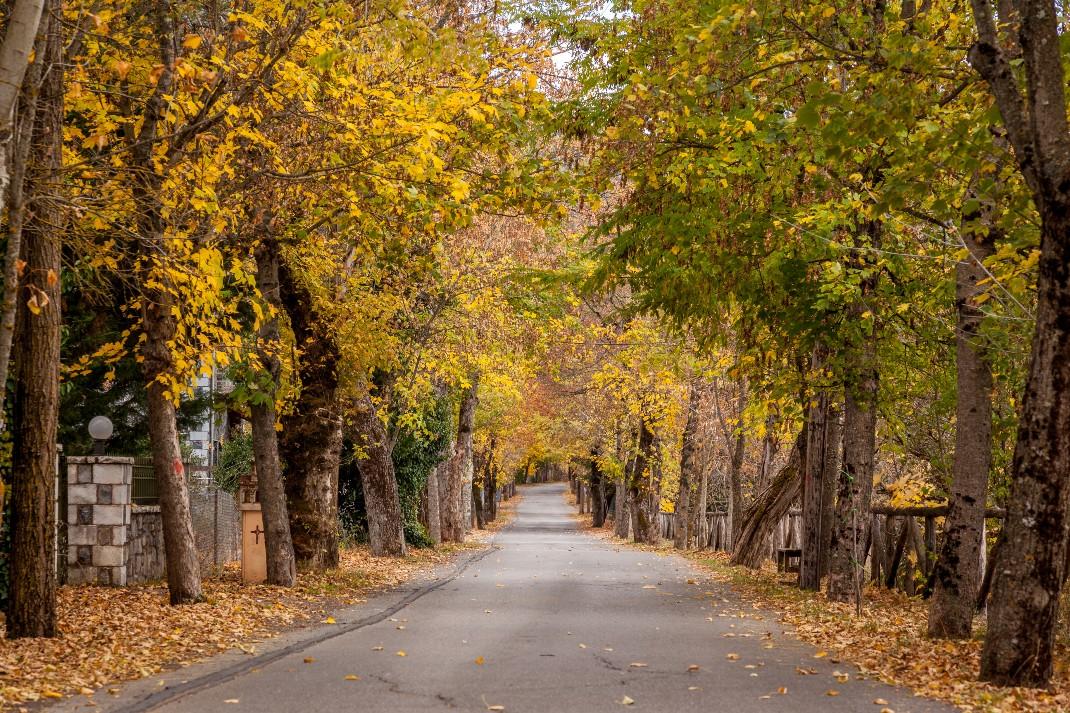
x=109, y=635
x=887, y=641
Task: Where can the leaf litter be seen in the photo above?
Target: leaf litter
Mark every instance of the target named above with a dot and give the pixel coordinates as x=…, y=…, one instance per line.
x=110, y=634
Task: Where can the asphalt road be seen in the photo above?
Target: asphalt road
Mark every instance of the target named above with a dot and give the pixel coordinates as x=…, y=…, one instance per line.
x=555, y=620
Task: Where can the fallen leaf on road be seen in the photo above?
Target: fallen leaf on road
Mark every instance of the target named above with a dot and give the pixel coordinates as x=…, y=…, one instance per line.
x=832, y=692
x=329, y=620
x=377, y=648
x=820, y=654
x=637, y=664
x=479, y=660
x=626, y=701
x=309, y=659
x=231, y=700
x=783, y=690
x=402, y=653
x=842, y=677
x=693, y=667
x=352, y=677
x=805, y=671
x=732, y=657
x=879, y=702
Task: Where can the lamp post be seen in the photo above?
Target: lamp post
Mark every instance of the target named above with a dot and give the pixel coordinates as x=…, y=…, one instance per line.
x=100, y=428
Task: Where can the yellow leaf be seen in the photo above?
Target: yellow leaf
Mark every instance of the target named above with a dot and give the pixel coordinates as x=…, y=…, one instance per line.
x=191, y=42
x=402, y=653
x=352, y=677
x=479, y=660
x=329, y=620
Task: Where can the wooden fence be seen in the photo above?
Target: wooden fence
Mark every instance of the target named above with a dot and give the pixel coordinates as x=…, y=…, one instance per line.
x=901, y=543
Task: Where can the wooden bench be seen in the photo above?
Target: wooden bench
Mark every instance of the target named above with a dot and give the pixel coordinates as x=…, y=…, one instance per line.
x=788, y=560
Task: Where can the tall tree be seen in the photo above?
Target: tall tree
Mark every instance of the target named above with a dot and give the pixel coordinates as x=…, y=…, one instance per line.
x=1028, y=577
x=688, y=468
x=310, y=443
x=957, y=573
x=281, y=565
x=32, y=595
x=854, y=482
x=15, y=141
x=386, y=531
x=15, y=56
x=457, y=492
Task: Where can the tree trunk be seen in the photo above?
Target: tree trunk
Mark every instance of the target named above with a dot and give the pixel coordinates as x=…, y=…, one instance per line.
x=466, y=427
x=621, y=516
x=443, y=472
x=855, y=482
x=813, y=470
x=159, y=331
x=830, y=477
x=311, y=439
x=688, y=458
x=18, y=156
x=32, y=574
x=281, y=564
x=702, y=527
x=770, y=507
x=598, y=495
x=434, y=506
x=19, y=38
x=644, y=490
x=735, y=478
x=957, y=573
x=457, y=497
x=490, y=483
x=768, y=451
x=1026, y=583
x=386, y=524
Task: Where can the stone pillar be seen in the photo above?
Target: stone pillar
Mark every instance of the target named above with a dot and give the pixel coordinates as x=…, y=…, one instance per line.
x=98, y=518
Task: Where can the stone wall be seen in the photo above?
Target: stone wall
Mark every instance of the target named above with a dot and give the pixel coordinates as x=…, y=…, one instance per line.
x=145, y=555
x=98, y=517
x=216, y=532
x=110, y=541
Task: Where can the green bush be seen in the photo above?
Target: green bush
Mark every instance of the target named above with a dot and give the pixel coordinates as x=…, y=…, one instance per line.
x=235, y=462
